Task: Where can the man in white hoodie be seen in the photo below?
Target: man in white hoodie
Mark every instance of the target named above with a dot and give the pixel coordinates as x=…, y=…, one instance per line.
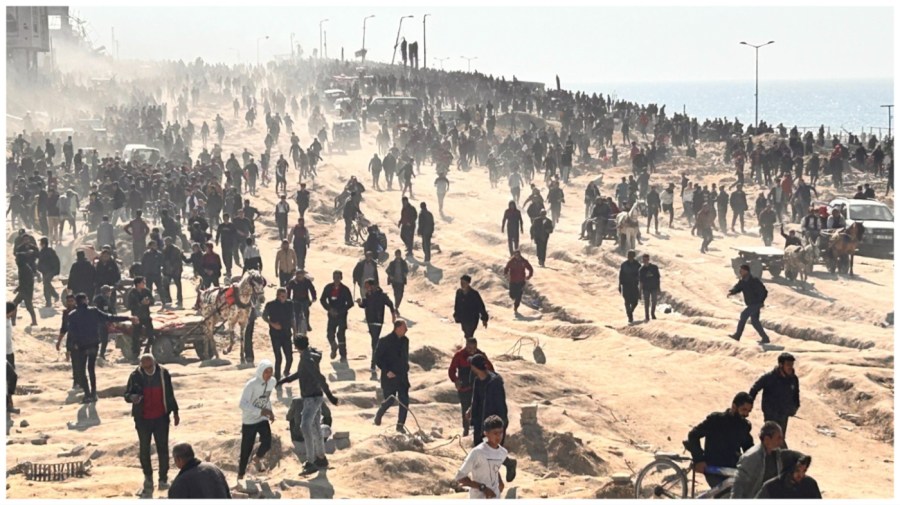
x=256, y=415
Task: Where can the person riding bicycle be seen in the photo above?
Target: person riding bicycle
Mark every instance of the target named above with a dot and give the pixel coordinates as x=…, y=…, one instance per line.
x=727, y=435
x=759, y=464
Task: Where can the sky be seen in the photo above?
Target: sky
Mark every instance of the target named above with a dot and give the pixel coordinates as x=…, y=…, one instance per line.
x=601, y=44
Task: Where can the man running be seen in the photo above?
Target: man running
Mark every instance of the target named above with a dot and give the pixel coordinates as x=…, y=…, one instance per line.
x=755, y=294
x=517, y=272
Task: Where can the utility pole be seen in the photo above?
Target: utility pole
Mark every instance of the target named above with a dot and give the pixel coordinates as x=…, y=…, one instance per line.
x=890, y=119
x=756, y=95
x=320, y=36
x=292, y=45
x=424, y=43
x=112, y=41
x=469, y=59
x=325, y=35
x=363, y=52
x=397, y=40
x=258, y=40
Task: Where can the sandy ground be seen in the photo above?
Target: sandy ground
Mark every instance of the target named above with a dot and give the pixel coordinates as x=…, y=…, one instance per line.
x=609, y=395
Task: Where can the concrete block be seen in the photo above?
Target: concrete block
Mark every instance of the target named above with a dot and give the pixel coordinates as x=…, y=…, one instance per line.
x=342, y=443
x=342, y=375
x=330, y=446
x=621, y=478
x=214, y=362
x=341, y=434
x=252, y=487
x=266, y=491
x=24, y=424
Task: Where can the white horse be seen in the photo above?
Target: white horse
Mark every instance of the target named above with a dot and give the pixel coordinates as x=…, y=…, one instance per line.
x=628, y=226
x=231, y=304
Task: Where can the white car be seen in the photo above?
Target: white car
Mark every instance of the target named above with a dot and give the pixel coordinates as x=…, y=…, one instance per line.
x=877, y=220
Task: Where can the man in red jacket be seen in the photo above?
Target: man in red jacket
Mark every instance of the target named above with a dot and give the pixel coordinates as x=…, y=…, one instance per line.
x=518, y=270
x=461, y=375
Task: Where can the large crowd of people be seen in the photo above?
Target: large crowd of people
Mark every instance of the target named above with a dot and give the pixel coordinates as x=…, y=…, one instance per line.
x=187, y=203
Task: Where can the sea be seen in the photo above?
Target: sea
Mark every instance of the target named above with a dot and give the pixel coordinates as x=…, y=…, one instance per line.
x=841, y=105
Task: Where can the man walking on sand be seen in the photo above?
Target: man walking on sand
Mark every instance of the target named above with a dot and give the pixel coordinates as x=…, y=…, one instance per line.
x=469, y=307
x=629, y=284
x=374, y=301
x=649, y=280
x=541, y=229
x=461, y=375
x=755, y=294
x=392, y=358
x=152, y=398
x=337, y=300
x=517, y=272
x=488, y=399
x=512, y=223
x=781, y=392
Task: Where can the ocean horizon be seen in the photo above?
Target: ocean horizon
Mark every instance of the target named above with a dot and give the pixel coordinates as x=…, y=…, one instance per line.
x=851, y=104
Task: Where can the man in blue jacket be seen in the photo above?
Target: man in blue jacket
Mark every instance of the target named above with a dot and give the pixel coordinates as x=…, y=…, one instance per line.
x=83, y=329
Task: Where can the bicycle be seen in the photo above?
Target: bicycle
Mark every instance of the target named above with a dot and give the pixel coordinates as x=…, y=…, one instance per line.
x=664, y=478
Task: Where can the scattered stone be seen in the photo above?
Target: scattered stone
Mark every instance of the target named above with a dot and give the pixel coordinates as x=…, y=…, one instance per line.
x=266, y=491
x=549, y=475
x=342, y=375
x=286, y=483
x=529, y=415
x=341, y=440
x=97, y=454
x=41, y=439
x=214, y=362
x=78, y=449
x=239, y=495
x=252, y=488
x=824, y=430
x=24, y=424
x=889, y=319
x=437, y=431
x=621, y=478
x=244, y=366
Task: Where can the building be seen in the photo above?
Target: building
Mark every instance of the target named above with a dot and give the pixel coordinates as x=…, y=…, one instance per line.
x=27, y=35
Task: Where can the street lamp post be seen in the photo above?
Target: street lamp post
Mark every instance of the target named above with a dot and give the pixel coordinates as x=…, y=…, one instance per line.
x=320, y=36
x=397, y=40
x=469, y=60
x=424, y=43
x=364, y=36
x=257, y=47
x=442, y=60
x=890, y=120
x=756, y=95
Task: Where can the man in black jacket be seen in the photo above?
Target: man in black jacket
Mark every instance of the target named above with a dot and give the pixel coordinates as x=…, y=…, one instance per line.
x=426, y=230
x=139, y=302
x=107, y=274
x=279, y=314
x=337, y=300
x=196, y=479
x=396, y=271
x=81, y=275
x=392, y=357
x=312, y=387
x=83, y=338
x=302, y=293
x=373, y=302
x=48, y=266
x=407, y=225
x=755, y=294
x=738, y=202
x=650, y=285
x=488, y=399
x=629, y=284
x=152, y=398
x=541, y=228
x=727, y=436
x=469, y=307
x=152, y=266
x=173, y=265
x=781, y=392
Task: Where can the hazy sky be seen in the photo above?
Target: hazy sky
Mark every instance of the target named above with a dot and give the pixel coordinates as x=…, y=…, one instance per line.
x=581, y=44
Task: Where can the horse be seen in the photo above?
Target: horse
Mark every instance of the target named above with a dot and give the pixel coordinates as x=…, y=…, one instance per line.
x=799, y=261
x=231, y=305
x=628, y=225
x=840, y=246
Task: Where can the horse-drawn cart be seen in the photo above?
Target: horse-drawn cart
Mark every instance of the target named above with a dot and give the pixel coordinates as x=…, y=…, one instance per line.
x=173, y=334
x=759, y=258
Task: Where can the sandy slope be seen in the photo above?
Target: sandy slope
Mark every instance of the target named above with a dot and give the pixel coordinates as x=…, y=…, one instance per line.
x=610, y=394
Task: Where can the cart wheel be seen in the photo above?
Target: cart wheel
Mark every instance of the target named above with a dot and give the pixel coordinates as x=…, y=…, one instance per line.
x=775, y=270
x=124, y=343
x=830, y=264
x=165, y=351
x=756, y=267
x=736, y=265
x=203, y=351
x=790, y=275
